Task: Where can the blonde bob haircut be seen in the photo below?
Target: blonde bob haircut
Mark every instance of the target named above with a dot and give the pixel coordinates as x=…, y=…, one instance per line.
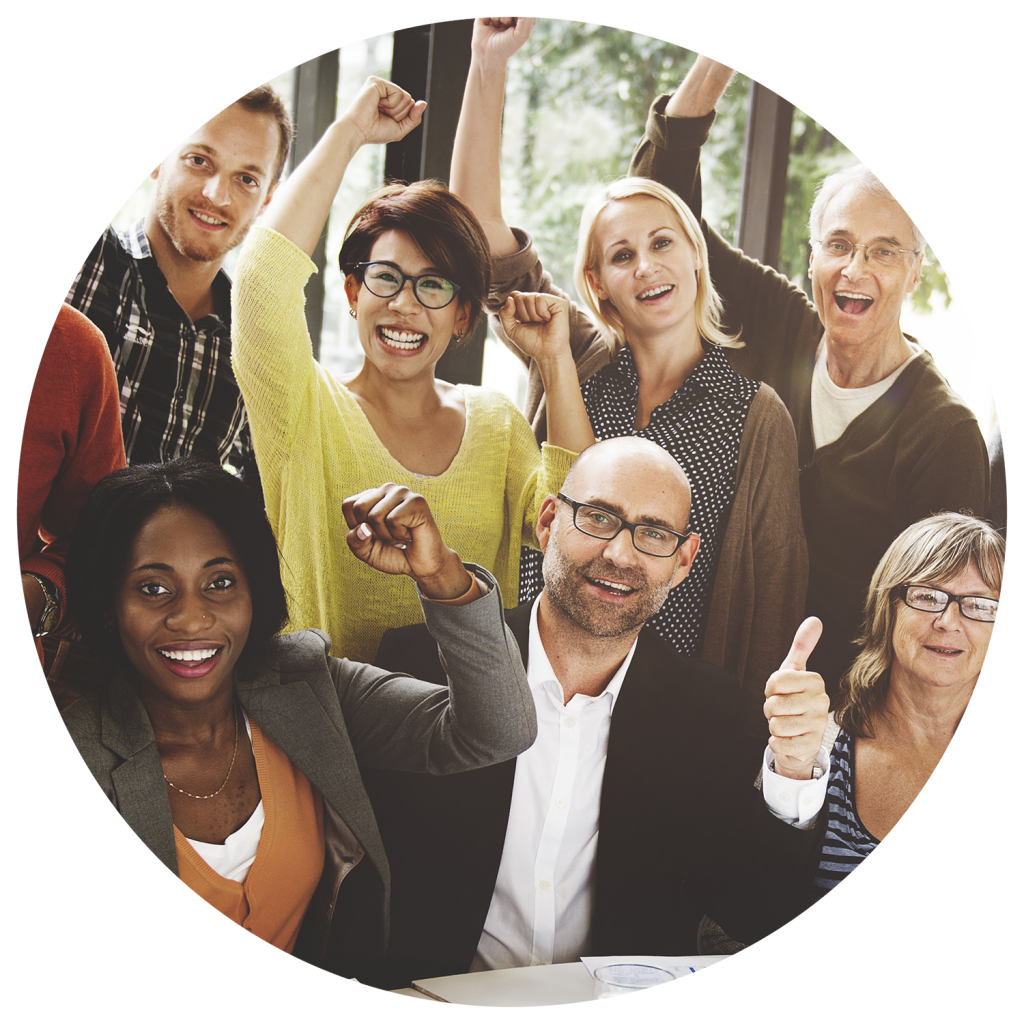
x=932, y=551
x=708, y=303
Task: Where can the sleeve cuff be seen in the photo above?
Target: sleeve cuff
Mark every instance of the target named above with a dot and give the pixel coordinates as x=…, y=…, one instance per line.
x=676, y=133
x=796, y=801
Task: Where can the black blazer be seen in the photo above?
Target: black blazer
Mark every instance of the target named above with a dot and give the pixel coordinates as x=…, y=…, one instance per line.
x=678, y=807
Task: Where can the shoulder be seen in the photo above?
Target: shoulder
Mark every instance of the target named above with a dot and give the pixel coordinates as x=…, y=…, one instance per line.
x=78, y=339
x=767, y=414
x=492, y=407
x=933, y=391
x=82, y=719
x=290, y=652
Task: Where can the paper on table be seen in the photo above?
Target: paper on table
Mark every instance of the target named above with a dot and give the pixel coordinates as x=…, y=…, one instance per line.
x=678, y=965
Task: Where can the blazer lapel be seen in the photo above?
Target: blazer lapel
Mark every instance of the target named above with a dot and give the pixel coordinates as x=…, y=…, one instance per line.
x=139, y=792
x=316, y=741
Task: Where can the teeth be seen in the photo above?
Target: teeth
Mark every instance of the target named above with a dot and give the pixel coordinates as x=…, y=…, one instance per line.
x=854, y=295
x=402, y=339
x=615, y=586
x=207, y=219
x=653, y=292
x=189, y=655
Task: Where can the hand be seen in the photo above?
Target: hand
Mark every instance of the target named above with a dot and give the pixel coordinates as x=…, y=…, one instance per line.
x=796, y=706
x=382, y=112
x=538, y=324
x=392, y=530
x=497, y=39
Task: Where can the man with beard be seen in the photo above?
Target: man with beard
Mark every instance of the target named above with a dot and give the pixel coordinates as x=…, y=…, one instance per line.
x=507, y=866
x=158, y=294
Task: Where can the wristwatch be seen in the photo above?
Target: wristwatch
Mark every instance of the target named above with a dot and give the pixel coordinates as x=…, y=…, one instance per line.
x=51, y=610
x=816, y=770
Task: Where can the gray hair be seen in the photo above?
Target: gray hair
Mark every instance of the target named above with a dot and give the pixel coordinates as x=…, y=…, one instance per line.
x=933, y=551
x=865, y=180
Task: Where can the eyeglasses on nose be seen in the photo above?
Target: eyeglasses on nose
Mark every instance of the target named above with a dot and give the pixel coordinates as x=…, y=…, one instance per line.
x=595, y=521
x=386, y=281
x=840, y=249
x=931, y=599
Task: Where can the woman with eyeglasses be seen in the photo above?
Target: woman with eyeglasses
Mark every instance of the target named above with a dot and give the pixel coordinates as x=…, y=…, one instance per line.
x=649, y=351
x=927, y=625
x=417, y=271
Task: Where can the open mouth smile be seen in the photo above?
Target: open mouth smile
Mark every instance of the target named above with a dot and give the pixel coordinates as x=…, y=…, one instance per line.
x=655, y=293
x=192, y=662
x=612, y=587
x=852, y=302
x=208, y=219
x=945, y=651
x=404, y=341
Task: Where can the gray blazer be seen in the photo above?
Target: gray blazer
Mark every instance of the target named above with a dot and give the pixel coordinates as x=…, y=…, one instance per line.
x=324, y=713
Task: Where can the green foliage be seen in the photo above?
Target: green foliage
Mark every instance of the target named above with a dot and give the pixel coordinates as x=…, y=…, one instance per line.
x=576, y=105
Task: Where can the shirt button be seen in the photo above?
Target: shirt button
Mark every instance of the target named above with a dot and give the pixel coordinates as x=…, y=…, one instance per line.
x=784, y=797
x=560, y=802
x=545, y=885
x=570, y=722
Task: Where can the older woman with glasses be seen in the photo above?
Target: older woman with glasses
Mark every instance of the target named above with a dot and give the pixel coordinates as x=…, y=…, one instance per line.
x=927, y=625
x=416, y=269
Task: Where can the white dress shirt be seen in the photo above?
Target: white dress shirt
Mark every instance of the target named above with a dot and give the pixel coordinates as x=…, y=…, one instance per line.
x=542, y=906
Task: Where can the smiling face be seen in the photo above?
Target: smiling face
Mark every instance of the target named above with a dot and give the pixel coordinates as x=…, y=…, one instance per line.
x=858, y=301
x=645, y=266
x=209, y=192
x=941, y=651
x=400, y=337
x=608, y=588
x=183, y=608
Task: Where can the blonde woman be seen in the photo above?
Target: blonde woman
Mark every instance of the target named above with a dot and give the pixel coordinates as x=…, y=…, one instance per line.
x=648, y=354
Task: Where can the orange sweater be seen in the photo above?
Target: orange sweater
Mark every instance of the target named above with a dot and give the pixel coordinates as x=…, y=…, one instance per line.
x=272, y=901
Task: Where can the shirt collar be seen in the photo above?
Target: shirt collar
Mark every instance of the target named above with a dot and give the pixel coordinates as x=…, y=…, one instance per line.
x=539, y=670
x=135, y=241
x=713, y=374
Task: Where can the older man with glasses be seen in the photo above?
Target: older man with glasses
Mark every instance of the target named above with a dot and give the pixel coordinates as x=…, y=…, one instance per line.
x=883, y=440
x=613, y=833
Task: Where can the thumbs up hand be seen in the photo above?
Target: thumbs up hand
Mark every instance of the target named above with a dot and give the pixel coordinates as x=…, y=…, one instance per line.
x=796, y=707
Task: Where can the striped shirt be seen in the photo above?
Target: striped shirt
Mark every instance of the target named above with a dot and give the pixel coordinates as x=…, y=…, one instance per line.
x=847, y=841
x=177, y=389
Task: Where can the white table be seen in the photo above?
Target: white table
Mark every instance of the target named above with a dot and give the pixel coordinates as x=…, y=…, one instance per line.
x=547, y=985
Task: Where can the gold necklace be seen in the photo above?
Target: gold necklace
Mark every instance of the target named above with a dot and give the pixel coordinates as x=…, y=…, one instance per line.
x=226, y=777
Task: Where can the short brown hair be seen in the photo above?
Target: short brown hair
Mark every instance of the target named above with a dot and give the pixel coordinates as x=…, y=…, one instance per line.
x=933, y=551
x=264, y=99
x=438, y=222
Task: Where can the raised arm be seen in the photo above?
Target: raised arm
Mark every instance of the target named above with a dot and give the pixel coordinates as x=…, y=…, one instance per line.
x=382, y=112
x=701, y=89
x=677, y=127
x=476, y=157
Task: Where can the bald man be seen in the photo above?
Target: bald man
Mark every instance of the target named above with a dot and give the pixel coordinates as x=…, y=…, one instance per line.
x=603, y=837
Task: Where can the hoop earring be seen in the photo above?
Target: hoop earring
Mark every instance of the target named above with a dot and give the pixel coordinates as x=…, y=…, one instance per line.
x=352, y=312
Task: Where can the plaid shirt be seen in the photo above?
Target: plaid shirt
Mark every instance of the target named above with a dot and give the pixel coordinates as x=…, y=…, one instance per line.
x=178, y=392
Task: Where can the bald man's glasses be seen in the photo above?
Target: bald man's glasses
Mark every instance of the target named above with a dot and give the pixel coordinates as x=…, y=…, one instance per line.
x=598, y=522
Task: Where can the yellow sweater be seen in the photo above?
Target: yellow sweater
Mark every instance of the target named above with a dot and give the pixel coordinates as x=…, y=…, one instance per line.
x=315, y=447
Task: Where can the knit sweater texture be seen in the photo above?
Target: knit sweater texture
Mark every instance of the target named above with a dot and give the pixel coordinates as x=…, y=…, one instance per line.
x=315, y=447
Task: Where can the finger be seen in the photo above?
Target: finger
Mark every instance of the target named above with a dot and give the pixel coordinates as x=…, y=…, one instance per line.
x=807, y=636
x=528, y=309
x=507, y=315
x=372, y=507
